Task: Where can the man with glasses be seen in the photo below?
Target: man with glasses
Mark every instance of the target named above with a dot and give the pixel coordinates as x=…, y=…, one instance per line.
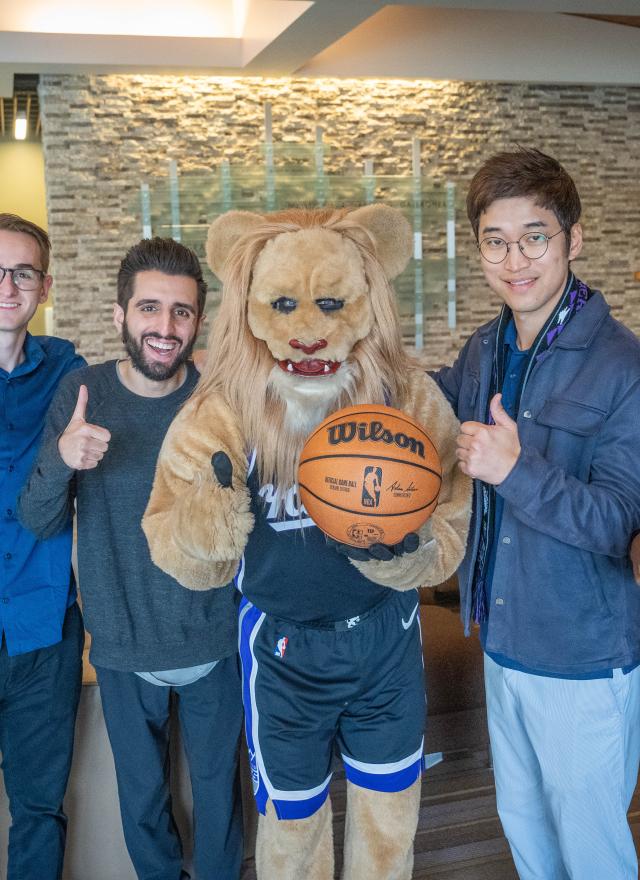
x=42, y=632
x=548, y=394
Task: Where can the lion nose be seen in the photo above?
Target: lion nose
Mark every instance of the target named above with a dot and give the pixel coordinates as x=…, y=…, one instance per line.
x=308, y=349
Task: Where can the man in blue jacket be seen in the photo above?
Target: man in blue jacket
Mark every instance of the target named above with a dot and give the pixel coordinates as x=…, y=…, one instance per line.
x=42, y=632
x=548, y=394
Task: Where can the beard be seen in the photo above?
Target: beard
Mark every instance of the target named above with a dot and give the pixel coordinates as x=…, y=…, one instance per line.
x=157, y=372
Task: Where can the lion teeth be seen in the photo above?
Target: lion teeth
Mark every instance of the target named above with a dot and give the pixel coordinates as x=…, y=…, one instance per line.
x=326, y=368
x=290, y=367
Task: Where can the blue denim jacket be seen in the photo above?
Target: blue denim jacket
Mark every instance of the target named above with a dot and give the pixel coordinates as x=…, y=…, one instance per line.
x=563, y=598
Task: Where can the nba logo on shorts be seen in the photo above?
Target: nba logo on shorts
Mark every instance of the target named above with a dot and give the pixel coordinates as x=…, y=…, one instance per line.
x=281, y=647
x=255, y=775
x=371, y=483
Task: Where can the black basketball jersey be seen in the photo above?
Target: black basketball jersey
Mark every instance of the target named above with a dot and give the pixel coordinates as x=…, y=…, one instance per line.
x=289, y=571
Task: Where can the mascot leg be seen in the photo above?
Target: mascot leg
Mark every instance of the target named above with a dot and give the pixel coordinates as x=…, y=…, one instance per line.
x=379, y=833
x=292, y=849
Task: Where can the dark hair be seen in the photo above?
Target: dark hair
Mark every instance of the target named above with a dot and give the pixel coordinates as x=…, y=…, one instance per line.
x=526, y=172
x=163, y=255
x=14, y=223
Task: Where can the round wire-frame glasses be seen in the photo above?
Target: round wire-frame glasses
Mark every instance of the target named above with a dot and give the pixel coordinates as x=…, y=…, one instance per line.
x=531, y=245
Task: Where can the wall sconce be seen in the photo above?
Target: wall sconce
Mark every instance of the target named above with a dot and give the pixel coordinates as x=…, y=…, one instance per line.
x=20, y=126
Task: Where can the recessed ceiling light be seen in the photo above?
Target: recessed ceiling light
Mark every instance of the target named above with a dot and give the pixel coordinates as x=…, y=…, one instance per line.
x=20, y=126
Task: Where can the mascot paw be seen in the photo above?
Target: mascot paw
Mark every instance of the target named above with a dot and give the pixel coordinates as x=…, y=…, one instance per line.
x=378, y=552
x=217, y=521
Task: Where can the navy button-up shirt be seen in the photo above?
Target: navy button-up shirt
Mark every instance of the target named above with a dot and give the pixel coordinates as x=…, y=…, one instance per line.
x=515, y=361
x=36, y=582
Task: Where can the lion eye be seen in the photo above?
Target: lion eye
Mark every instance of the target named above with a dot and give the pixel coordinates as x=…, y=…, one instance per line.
x=284, y=304
x=329, y=304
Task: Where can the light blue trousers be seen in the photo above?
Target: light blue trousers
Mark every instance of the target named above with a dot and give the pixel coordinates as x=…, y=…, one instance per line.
x=565, y=756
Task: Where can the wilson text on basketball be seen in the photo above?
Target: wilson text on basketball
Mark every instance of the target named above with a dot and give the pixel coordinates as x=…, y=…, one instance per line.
x=345, y=432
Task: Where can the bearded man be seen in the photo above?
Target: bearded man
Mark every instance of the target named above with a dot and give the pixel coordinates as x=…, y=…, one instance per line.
x=153, y=644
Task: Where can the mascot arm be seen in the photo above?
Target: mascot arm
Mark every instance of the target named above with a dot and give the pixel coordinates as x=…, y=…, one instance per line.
x=197, y=526
x=442, y=539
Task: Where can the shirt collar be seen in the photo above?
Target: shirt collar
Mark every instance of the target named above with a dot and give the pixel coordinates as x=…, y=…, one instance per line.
x=511, y=337
x=33, y=357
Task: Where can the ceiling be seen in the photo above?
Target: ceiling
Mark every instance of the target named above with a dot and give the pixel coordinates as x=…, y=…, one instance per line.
x=627, y=20
x=582, y=41
x=23, y=100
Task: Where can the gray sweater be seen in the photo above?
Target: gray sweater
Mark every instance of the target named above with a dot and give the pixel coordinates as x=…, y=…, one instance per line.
x=139, y=617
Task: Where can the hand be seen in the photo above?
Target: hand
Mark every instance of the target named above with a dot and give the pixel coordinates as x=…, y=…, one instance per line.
x=377, y=552
x=83, y=445
x=634, y=554
x=489, y=452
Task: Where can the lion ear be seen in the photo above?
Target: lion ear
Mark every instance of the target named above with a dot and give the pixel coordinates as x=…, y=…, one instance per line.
x=391, y=232
x=223, y=233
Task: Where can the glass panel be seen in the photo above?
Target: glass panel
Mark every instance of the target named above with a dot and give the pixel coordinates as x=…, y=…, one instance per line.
x=293, y=175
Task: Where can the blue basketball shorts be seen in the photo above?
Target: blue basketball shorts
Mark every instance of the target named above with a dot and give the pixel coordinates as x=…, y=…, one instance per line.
x=356, y=685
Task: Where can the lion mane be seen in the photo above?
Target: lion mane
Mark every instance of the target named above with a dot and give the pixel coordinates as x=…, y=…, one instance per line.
x=239, y=365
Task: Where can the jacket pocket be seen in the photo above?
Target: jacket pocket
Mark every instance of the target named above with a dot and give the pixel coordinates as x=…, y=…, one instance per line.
x=576, y=418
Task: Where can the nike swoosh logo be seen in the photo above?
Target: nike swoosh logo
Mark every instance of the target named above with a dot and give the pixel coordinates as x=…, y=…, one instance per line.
x=407, y=623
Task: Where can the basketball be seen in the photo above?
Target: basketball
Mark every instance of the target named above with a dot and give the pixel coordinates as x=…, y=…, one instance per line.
x=369, y=475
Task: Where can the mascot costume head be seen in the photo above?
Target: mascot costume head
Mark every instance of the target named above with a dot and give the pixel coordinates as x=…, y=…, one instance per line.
x=308, y=324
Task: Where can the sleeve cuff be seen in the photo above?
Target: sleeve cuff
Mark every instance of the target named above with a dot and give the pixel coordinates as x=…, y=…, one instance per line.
x=526, y=473
x=56, y=469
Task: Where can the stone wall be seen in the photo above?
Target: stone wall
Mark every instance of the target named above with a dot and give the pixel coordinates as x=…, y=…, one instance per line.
x=103, y=134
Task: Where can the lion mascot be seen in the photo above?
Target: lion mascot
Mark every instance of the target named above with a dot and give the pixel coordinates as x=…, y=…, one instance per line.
x=329, y=635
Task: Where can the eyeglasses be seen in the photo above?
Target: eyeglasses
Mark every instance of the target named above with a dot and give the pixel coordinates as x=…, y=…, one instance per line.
x=532, y=245
x=24, y=277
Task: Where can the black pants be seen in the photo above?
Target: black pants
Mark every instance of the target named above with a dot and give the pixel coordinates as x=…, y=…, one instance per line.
x=210, y=714
x=39, y=694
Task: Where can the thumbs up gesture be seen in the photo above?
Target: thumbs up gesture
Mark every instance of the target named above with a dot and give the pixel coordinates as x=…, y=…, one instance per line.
x=82, y=445
x=489, y=452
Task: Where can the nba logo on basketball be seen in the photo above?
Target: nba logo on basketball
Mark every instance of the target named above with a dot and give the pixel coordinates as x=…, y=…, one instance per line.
x=281, y=647
x=371, y=483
